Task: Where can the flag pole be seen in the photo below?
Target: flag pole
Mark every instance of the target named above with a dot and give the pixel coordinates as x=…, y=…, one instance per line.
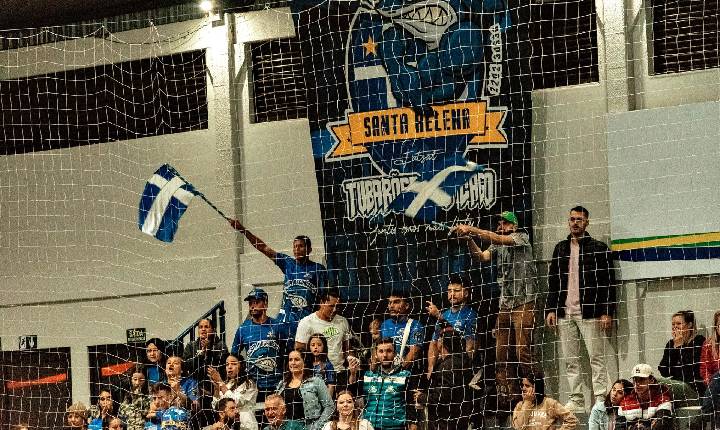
x=201, y=195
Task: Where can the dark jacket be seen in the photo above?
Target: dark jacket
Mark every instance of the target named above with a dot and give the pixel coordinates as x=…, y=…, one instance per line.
x=196, y=361
x=449, y=391
x=597, y=278
x=683, y=363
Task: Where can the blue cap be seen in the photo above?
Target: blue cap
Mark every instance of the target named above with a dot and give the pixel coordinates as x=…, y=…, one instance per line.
x=257, y=294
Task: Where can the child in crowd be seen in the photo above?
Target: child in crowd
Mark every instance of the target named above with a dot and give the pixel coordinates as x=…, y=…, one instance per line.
x=322, y=367
x=115, y=423
x=136, y=403
x=76, y=416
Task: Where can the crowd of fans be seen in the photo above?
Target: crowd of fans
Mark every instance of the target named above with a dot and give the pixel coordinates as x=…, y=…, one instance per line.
x=305, y=369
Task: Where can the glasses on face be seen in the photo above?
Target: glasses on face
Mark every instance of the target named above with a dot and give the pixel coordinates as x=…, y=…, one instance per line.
x=576, y=219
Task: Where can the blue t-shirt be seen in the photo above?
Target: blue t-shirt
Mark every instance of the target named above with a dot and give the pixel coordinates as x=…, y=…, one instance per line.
x=462, y=321
x=174, y=418
x=301, y=286
x=265, y=345
x=327, y=374
x=395, y=328
x=95, y=424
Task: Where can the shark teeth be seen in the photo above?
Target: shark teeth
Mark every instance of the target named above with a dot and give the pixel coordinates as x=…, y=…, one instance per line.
x=430, y=14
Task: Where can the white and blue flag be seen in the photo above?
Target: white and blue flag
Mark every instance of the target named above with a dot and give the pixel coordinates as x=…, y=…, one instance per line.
x=163, y=202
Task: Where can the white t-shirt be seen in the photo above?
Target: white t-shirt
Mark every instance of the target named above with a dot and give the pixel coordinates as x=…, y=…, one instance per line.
x=335, y=331
x=362, y=425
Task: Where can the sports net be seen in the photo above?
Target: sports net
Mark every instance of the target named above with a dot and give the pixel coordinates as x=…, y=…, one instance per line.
x=392, y=134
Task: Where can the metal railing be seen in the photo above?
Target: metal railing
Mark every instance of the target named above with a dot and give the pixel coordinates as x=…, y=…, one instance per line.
x=216, y=314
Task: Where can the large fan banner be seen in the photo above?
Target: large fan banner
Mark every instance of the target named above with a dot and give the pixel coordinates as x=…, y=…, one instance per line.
x=420, y=116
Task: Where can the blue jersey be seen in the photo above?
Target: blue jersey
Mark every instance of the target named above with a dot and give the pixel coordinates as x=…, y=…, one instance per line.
x=394, y=329
x=96, y=424
x=301, y=286
x=265, y=346
x=174, y=418
x=462, y=321
x=385, y=398
x=325, y=371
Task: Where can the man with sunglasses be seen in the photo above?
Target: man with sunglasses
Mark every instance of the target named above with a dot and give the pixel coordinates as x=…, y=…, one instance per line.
x=581, y=306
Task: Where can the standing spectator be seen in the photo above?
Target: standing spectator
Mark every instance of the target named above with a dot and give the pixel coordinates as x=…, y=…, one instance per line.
x=164, y=412
x=207, y=350
x=76, y=416
x=449, y=400
x=388, y=390
x=581, y=305
x=275, y=414
x=648, y=406
x=347, y=415
x=306, y=396
x=155, y=367
x=101, y=412
x=710, y=355
x=517, y=278
x=603, y=415
x=406, y=333
x=459, y=317
x=238, y=387
x=136, y=402
x=184, y=388
x=538, y=412
x=334, y=327
x=227, y=416
x=264, y=341
x=322, y=367
x=304, y=278
x=681, y=358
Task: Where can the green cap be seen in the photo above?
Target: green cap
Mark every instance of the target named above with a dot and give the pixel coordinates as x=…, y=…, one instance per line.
x=509, y=217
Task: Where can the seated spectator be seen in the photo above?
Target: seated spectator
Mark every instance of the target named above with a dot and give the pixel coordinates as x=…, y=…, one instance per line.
x=163, y=413
x=239, y=387
x=115, y=423
x=322, y=367
x=711, y=401
x=136, y=402
x=101, y=412
x=334, y=327
x=226, y=416
x=681, y=358
x=184, y=388
x=347, y=415
x=305, y=396
x=538, y=412
x=76, y=416
x=388, y=390
x=710, y=355
x=458, y=317
x=449, y=400
x=155, y=366
x=275, y=414
x=648, y=406
x=604, y=414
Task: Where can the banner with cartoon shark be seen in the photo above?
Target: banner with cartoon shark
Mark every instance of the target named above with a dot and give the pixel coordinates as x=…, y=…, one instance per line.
x=420, y=114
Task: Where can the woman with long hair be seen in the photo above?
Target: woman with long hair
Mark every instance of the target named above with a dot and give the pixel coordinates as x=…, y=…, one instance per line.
x=347, y=415
x=156, y=357
x=136, y=402
x=710, y=355
x=681, y=358
x=102, y=411
x=306, y=396
x=239, y=387
x=604, y=414
x=538, y=412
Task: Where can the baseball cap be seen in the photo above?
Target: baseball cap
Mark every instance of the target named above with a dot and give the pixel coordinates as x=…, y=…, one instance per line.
x=257, y=294
x=642, y=370
x=509, y=217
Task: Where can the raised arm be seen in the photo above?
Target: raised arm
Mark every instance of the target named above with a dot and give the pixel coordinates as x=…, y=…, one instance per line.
x=254, y=240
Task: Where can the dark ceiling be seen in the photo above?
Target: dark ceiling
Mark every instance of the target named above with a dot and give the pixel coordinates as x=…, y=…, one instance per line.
x=18, y=14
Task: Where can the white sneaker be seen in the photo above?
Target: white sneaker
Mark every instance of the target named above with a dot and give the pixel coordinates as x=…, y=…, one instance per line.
x=574, y=407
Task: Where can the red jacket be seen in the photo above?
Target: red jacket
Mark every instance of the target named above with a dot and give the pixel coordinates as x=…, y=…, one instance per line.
x=709, y=365
x=660, y=400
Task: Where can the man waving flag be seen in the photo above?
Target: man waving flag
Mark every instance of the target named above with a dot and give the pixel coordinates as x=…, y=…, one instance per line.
x=163, y=202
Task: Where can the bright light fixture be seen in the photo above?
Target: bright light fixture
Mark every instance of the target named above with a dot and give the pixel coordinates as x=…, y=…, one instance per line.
x=206, y=6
